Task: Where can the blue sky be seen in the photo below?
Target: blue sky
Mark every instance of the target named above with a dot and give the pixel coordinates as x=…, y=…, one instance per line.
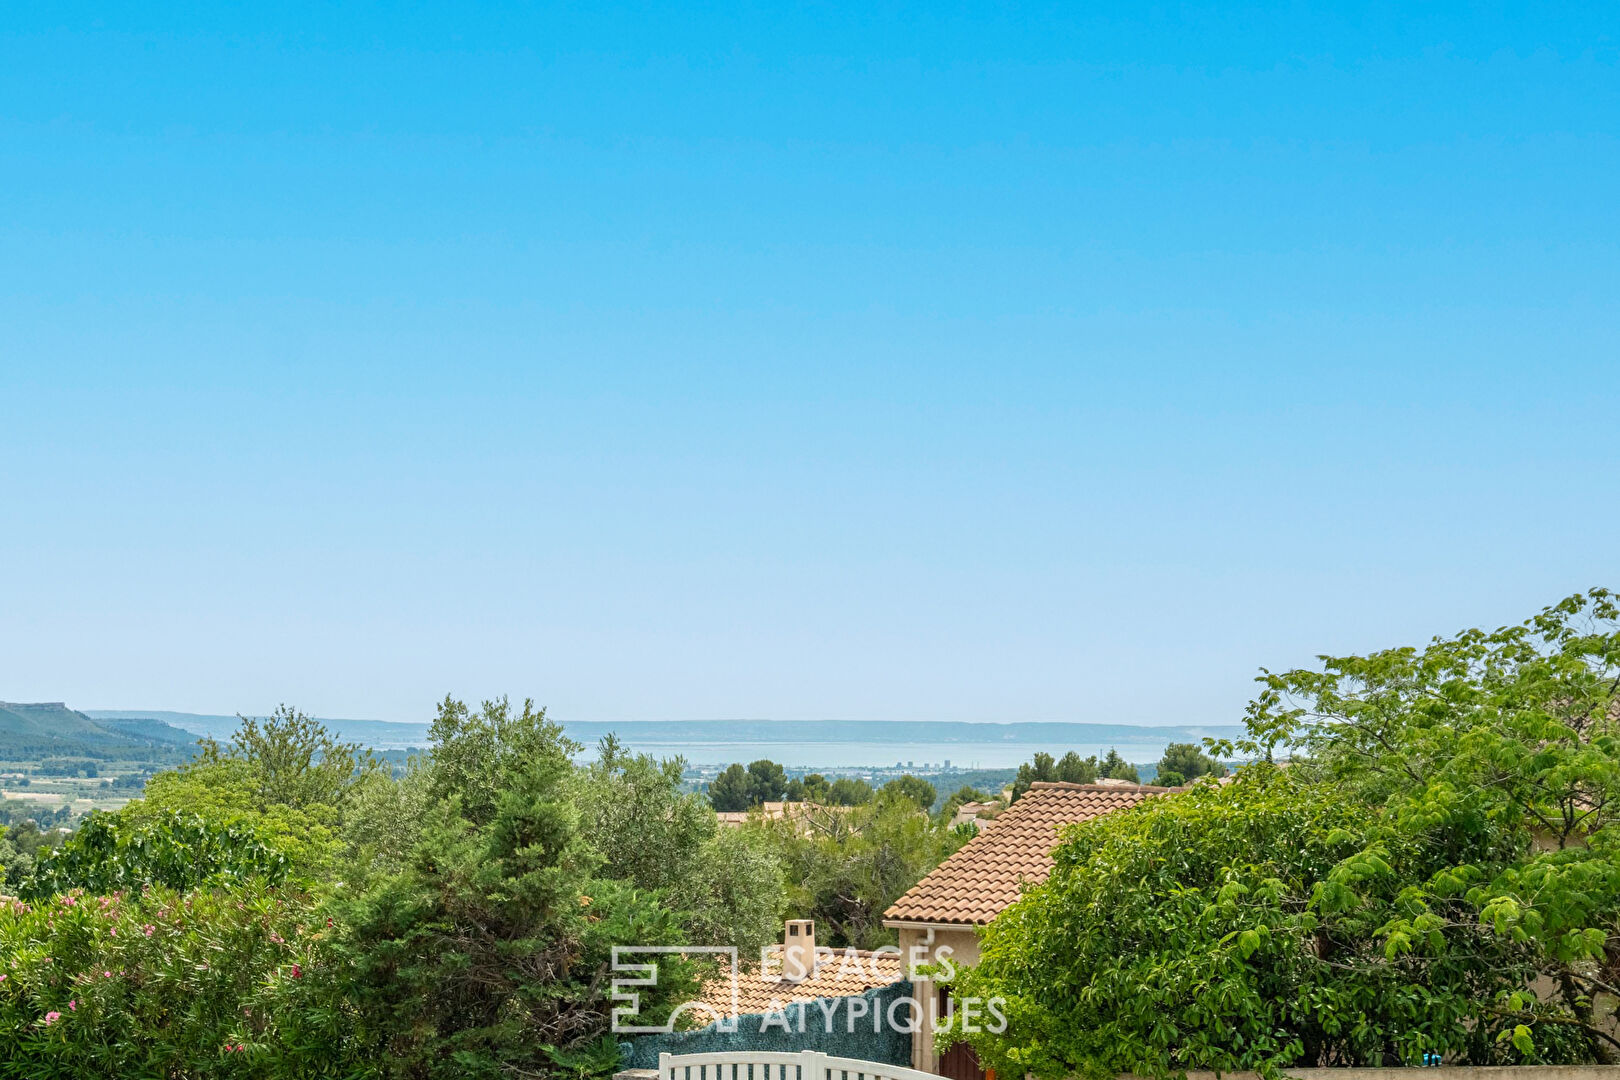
x=866, y=361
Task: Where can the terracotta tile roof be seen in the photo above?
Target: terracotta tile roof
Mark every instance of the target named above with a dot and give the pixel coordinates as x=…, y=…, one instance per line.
x=986, y=873
x=839, y=973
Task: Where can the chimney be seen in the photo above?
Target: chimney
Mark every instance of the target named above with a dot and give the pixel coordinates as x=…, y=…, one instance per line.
x=799, y=950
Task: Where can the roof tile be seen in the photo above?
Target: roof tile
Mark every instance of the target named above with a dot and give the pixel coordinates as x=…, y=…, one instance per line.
x=988, y=872
x=839, y=973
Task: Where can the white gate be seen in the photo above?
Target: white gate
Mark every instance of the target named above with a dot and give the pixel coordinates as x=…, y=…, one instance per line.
x=765, y=1065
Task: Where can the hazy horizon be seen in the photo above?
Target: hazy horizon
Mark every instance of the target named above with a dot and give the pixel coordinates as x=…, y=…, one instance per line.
x=827, y=743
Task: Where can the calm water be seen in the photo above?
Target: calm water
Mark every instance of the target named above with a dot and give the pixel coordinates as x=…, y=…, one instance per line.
x=964, y=755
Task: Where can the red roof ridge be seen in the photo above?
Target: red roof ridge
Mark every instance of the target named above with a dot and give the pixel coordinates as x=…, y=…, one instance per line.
x=1065, y=785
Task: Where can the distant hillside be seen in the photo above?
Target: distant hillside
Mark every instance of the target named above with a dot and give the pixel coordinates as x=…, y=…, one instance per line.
x=29, y=731
x=379, y=734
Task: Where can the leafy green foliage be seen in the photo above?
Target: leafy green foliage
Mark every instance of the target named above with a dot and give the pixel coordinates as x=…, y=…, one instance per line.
x=1183, y=762
x=725, y=884
x=1114, y=767
x=458, y=920
x=295, y=761
x=210, y=983
x=845, y=866
x=109, y=854
x=737, y=788
x=285, y=779
x=383, y=820
x=1071, y=769
x=1211, y=930
x=733, y=790
x=485, y=955
x=849, y=791
x=910, y=787
x=959, y=798
x=1436, y=872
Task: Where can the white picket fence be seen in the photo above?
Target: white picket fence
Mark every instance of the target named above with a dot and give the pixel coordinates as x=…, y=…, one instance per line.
x=764, y=1065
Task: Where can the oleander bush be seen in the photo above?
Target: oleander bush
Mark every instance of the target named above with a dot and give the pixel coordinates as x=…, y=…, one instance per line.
x=208, y=982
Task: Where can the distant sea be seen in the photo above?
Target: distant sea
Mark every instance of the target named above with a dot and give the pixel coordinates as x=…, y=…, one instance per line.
x=850, y=755
x=828, y=744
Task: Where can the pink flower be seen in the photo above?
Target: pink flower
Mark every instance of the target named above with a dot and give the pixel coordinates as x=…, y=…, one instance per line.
x=73, y=1006
x=297, y=972
x=52, y=1017
x=147, y=929
x=106, y=974
x=114, y=931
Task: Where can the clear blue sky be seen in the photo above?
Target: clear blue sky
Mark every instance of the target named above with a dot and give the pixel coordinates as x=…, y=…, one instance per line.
x=866, y=361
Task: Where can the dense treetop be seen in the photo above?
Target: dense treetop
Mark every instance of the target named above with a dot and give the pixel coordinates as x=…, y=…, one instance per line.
x=1431, y=870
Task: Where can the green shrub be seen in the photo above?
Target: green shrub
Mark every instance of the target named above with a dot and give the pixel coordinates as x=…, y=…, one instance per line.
x=1216, y=929
x=109, y=853
x=212, y=983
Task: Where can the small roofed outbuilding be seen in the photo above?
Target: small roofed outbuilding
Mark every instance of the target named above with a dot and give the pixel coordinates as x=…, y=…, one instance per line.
x=798, y=970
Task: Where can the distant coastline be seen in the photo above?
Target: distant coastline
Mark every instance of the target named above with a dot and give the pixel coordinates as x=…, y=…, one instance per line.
x=704, y=741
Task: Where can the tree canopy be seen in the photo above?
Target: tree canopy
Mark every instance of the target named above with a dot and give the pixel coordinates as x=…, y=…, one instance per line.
x=1184, y=762
x=1071, y=769
x=738, y=788
x=844, y=866
x=1433, y=871
x=282, y=907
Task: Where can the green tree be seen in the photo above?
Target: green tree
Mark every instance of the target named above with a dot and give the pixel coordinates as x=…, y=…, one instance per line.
x=1185, y=762
x=295, y=760
x=845, y=865
x=109, y=853
x=817, y=788
x=733, y=790
x=485, y=956
x=384, y=819
x=1437, y=871
x=285, y=778
x=768, y=781
x=849, y=791
x=1074, y=769
x=476, y=753
x=1112, y=965
x=1504, y=746
x=912, y=788
x=737, y=788
x=1114, y=767
x=726, y=888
